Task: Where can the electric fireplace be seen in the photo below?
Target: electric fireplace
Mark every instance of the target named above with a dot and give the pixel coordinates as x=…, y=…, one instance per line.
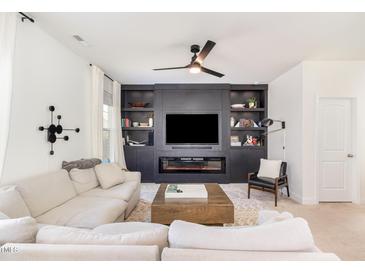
x=192, y=164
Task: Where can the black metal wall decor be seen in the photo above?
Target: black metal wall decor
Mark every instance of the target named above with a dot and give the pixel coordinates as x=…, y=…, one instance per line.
x=53, y=130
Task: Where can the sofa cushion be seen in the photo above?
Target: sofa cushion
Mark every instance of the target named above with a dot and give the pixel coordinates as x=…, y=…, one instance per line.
x=44, y=192
x=12, y=203
x=69, y=235
x=81, y=164
x=85, y=212
x=269, y=168
x=289, y=235
x=109, y=175
x=83, y=179
x=122, y=191
x=19, y=230
x=147, y=232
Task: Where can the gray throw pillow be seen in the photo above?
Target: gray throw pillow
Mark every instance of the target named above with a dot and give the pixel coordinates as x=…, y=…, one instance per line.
x=81, y=164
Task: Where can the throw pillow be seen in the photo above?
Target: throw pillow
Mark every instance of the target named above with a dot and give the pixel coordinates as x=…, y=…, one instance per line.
x=70, y=235
x=269, y=168
x=109, y=175
x=20, y=230
x=83, y=179
x=12, y=203
x=3, y=216
x=81, y=164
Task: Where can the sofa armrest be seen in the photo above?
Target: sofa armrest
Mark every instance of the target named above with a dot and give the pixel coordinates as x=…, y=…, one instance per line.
x=60, y=252
x=181, y=254
x=133, y=176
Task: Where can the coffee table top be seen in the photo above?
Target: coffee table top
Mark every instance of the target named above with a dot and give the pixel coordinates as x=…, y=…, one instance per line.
x=216, y=197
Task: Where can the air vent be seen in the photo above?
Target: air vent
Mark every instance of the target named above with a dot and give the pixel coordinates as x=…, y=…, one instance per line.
x=78, y=38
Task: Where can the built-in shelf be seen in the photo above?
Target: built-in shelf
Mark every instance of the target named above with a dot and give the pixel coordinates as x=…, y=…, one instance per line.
x=249, y=128
x=137, y=128
x=248, y=147
x=247, y=109
x=138, y=109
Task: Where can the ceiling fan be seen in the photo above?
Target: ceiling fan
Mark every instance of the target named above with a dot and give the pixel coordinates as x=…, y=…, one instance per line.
x=195, y=65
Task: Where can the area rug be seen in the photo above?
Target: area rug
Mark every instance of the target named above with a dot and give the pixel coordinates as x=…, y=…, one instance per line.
x=245, y=210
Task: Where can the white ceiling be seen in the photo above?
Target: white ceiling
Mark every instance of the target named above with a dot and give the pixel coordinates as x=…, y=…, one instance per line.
x=251, y=47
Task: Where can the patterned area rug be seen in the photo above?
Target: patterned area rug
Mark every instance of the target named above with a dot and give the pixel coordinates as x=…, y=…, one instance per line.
x=246, y=210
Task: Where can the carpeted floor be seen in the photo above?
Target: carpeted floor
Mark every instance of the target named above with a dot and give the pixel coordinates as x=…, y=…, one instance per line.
x=337, y=227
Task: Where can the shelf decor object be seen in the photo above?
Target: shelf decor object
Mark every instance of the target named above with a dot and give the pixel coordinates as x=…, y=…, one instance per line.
x=53, y=130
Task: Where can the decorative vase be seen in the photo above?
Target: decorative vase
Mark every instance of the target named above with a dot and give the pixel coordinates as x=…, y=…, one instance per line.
x=232, y=122
x=251, y=104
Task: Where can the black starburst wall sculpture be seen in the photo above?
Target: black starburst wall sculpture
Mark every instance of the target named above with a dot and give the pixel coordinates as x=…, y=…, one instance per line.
x=53, y=130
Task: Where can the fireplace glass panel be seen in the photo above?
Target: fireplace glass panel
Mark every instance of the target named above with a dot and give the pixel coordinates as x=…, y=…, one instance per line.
x=192, y=164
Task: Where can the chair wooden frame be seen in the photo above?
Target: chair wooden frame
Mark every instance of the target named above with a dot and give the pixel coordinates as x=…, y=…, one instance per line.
x=278, y=184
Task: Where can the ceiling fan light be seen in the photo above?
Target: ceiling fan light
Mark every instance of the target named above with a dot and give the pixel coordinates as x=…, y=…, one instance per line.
x=195, y=68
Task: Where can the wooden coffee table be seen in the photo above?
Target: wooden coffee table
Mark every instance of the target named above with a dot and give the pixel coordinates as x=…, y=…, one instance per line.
x=216, y=210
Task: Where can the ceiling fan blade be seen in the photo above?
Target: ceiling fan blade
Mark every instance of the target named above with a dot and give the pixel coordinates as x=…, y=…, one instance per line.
x=209, y=45
x=171, y=68
x=212, y=72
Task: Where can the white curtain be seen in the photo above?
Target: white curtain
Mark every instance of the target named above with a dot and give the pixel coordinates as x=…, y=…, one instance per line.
x=7, y=44
x=116, y=133
x=97, y=86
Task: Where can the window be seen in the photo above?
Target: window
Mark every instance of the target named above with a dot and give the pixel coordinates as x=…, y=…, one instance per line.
x=107, y=116
x=107, y=120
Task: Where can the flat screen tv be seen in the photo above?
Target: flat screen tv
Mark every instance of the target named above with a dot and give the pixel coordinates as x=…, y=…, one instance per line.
x=192, y=129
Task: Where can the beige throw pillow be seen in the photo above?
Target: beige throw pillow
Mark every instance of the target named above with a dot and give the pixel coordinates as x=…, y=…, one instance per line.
x=83, y=179
x=3, y=216
x=20, y=230
x=12, y=203
x=269, y=168
x=109, y=175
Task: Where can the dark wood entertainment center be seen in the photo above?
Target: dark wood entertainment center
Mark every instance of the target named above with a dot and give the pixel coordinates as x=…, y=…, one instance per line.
x=165, y=99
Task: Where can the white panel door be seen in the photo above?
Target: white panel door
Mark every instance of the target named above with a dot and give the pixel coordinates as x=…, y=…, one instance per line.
x=335, y=150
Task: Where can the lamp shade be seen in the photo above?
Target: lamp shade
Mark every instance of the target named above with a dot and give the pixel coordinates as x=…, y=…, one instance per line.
x=266, y=122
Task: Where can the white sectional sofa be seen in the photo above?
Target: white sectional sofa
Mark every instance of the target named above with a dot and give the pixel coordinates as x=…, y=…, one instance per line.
x=69, y=224
x=52, y=199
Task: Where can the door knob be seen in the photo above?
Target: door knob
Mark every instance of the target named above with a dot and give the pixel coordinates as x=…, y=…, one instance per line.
x=350, y=155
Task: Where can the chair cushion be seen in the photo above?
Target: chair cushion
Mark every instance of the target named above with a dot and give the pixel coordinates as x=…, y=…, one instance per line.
x=123, y=191
x=20, y=230
x=12, y=203
x=83, y=179
x=265, y=182
x=44, y=192
x=154, y=235
x=269, y=168
x=85, y=212
x=288, y=235
x=109, y=175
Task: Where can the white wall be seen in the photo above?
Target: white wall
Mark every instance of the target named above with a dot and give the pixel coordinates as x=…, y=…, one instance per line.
x=342, y=79
x=317, y=79
x=285, y=103
x=45, y=73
